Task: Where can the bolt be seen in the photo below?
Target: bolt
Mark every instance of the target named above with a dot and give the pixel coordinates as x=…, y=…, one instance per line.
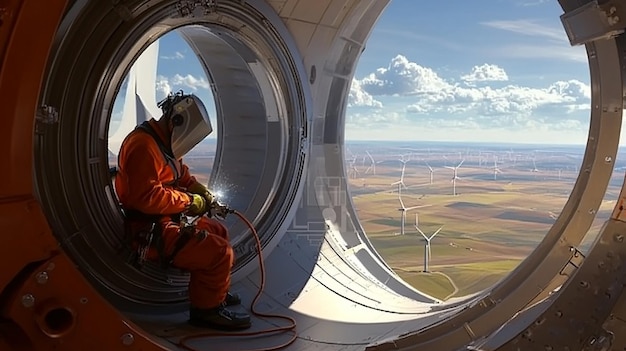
x=608, y=159
x=128, y=339
x=84, y=300
x=619, y=238
x=42, y=277
x=558, y=314
x=28, y=300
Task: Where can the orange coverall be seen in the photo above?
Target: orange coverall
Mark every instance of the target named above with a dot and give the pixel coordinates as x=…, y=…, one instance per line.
x=145, y=182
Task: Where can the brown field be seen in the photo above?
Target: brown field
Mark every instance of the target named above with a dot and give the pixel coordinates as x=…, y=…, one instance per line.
x=488, y=228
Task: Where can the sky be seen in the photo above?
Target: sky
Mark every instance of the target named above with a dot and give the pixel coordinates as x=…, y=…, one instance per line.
x=450, y=70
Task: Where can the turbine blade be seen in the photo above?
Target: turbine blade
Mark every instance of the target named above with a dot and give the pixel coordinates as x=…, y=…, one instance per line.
x=421, y=232
x=419, y=206
x=437, y=232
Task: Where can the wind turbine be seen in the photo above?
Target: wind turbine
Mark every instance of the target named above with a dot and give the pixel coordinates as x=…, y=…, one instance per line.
x=432, y=172
x=535, y=169
x=455, y=177
x=354, y=172
x=403, y=209
x=401, y=181
x=496, y=170
x=372, y=166
x=427, y=253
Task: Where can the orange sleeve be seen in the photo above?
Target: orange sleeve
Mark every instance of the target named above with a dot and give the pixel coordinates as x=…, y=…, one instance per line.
x=186, y=179
x=141, y=163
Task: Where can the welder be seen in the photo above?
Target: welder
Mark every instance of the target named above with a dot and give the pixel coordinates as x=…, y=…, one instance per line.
x=158, y=196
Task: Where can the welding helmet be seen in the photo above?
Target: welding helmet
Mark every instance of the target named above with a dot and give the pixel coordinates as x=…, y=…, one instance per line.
x=190, y=121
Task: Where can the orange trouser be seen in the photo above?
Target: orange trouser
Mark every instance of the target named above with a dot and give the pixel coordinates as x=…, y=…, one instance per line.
x=208, y=259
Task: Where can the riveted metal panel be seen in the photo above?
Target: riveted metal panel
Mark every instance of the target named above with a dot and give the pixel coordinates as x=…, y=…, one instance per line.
x=310, y=11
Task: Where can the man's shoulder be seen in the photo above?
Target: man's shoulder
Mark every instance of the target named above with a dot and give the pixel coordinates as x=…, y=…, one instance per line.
x=138, y=134
x=138, y=138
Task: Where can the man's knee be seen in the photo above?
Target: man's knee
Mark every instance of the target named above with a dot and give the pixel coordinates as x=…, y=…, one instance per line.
x=214, y=227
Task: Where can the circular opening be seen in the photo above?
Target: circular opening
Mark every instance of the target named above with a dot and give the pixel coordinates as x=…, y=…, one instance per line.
x=57, y=322
x=259, y=118
x=480, y=150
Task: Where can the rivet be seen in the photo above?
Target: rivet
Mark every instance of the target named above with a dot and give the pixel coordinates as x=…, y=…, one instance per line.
x=42, y=277
x=28, y=300
x=128, y=339
x=558, y=314
x=84, y=300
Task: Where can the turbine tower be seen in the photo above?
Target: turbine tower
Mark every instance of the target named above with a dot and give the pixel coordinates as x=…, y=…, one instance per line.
x=372, y=166
x=427, y=253
x=496, y=170
x=403, y=209
x=432, y=172
x=455, y=176
x=535, y=169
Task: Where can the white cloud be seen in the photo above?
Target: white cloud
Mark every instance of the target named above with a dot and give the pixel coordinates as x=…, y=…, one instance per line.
x=485, y=73
x=165, y=85
x=359, y=97
x=533, y=3
x=416, y=94
x=546, y=51
x=402, y=77
x=177, y=56
x=163, y=88
x=572, y=88
x=374, y=119
x=530, y=28
x=551, y=41
x=189, y=81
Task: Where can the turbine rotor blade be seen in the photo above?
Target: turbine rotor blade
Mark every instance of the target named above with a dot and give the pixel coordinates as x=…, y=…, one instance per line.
x=437, y=232
x=421, y=232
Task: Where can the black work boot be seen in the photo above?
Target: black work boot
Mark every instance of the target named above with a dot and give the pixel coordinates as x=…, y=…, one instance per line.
x=219, y=318
x=232, y=299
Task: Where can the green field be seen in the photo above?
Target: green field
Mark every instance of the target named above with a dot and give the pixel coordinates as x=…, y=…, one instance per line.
x=488, y=228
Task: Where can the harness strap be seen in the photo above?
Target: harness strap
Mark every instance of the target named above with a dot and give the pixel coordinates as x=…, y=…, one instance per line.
x=154, y=236
x=185, y=234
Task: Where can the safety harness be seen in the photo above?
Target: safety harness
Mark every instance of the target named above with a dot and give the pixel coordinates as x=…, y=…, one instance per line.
x=152, y=235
